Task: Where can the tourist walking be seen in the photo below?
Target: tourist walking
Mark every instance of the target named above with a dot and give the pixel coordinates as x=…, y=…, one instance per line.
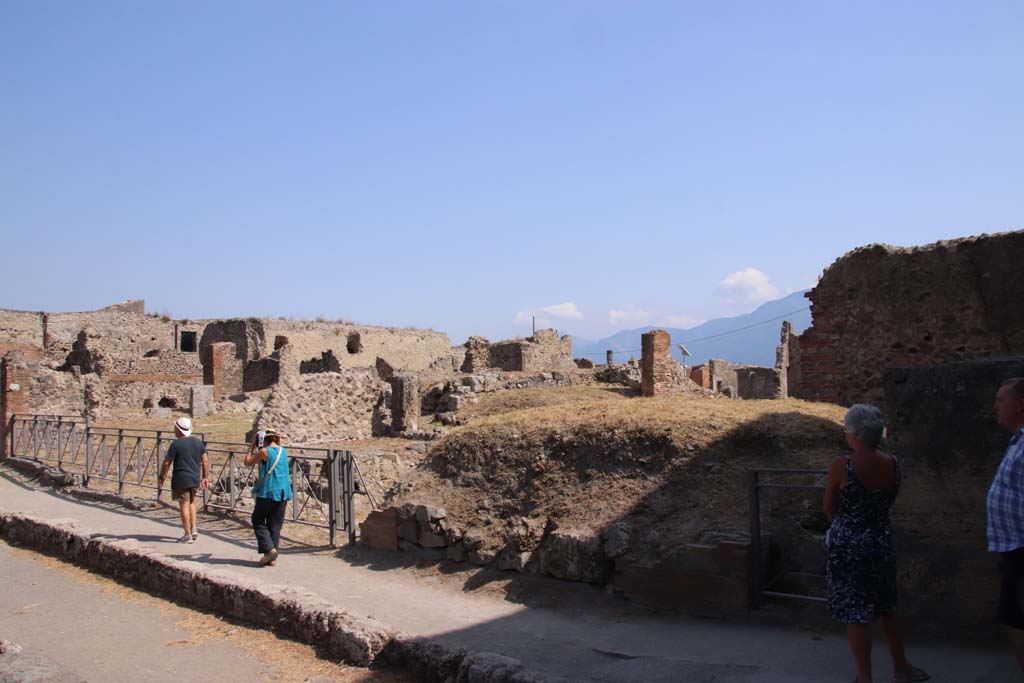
x=272, y=492
x=187, y=456
x=1006, y=513
x=860, y=489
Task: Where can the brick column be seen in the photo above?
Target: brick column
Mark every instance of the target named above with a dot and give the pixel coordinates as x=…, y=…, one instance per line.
x=655, y=363
x=223, y=369
x=14, y=394
x=405, y=403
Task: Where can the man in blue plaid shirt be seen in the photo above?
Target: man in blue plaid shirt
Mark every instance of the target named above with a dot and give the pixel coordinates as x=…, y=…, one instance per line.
x=1006, y=513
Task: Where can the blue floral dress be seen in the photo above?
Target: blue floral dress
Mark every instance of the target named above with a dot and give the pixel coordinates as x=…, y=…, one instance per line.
x=861, y=556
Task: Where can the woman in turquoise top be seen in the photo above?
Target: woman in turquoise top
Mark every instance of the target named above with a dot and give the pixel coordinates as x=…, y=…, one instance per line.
x=272, y=491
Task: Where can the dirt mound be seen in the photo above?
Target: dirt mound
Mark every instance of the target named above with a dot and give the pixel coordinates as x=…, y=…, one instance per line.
x=671, y=468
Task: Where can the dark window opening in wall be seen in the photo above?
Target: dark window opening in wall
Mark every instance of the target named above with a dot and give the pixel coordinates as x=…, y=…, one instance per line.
x=168, y=402
x=188, y=342
x=355, y=343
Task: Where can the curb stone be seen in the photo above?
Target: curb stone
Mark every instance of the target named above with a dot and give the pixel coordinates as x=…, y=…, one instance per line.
x=291, y=611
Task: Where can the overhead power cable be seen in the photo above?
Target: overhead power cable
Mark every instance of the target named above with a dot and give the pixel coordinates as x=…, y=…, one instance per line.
x=710, y=336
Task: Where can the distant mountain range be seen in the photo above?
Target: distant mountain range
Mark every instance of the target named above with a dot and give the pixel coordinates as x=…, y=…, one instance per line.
x=750, y=339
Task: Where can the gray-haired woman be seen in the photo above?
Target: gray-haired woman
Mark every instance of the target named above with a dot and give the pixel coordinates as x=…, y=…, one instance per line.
x=861, y=487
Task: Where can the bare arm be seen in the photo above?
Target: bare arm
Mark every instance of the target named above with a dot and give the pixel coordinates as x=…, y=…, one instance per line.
x=205, y=483
x=164, y=466
x=255, y=455
x=836, y=480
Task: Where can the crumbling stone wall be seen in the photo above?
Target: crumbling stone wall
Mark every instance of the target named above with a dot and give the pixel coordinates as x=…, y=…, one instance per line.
x=744, y=381
x=701, y=376
x=754, y=382
x=941, y=426
x=880, y=307
x=544, y=350
x=22, y=331
x=325, y=363
x=478, y=355
x=247, y=334
x=328, y=407
x=166, y=362
x=406, y=349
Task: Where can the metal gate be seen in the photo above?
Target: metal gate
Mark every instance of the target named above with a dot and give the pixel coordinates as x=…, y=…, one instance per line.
x=324, y=481
x=766, y=479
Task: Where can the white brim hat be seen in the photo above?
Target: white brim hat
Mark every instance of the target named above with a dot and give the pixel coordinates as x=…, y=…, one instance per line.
x=183, y=425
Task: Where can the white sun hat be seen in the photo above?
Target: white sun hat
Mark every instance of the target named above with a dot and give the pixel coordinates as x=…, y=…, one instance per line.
x=183, y=425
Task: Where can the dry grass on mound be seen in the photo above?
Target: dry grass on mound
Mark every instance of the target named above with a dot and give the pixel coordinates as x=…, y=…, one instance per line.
x=674, y=467
x=502, y=402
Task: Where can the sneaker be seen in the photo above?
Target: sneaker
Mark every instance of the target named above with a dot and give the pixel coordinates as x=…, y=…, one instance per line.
x=187, y=538
x=269, y=557
x=195, y=534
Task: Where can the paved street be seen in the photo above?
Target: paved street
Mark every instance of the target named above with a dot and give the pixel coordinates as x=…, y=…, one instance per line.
x=82, y=626
x=555, y=627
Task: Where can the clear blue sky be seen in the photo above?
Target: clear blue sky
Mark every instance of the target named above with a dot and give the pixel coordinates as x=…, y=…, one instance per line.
x=452, y=165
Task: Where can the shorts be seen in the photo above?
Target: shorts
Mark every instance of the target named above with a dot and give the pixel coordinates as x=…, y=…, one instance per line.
x=1011, y=590
x=184, y=494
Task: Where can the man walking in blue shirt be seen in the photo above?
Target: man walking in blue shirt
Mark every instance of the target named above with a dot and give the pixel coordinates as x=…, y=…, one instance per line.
x=1006, y=513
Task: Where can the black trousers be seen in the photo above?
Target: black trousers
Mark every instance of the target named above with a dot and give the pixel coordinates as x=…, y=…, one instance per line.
x=267, y=519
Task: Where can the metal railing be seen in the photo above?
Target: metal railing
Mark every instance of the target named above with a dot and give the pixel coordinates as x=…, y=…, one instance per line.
x=760, y=583
x=324, y=481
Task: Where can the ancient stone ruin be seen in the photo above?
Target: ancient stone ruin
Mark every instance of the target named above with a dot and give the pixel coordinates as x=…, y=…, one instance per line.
x=880, y=307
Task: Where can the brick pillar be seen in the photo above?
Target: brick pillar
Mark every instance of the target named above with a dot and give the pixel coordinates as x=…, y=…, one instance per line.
x=405, y=403
x=14, y=394
x=655, y=363
x=223, y=369
x=609, y=357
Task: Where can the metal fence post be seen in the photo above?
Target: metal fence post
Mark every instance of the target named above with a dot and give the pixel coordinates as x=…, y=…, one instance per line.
x=296, y=470
x=334, y=494
x=88, y=449
x=232, y=481
x=120, y=462
x=755, y=539
x=349, y=497
x=60, y=441
x=35, y=436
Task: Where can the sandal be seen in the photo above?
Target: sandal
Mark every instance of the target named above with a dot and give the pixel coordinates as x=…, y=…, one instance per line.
x=914, y=675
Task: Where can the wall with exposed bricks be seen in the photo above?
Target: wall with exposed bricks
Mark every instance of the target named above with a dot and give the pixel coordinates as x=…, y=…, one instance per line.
x=880, y=306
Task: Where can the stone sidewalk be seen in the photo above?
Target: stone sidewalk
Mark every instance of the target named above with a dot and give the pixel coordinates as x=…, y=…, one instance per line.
x=565, y=630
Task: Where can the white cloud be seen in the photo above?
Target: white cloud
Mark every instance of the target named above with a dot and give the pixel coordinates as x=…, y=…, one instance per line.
x=563, y=311
x=683, y=321
x=748, y=286
x=627, y=316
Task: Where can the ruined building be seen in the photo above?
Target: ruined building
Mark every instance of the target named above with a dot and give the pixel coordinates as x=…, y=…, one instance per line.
x=880, y=307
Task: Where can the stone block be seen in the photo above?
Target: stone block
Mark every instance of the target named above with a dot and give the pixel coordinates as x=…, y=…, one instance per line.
x=380, y=530
x=163, y=413
x=574, y=556
x=409, y=530
x=201, y=401
x=429, y=539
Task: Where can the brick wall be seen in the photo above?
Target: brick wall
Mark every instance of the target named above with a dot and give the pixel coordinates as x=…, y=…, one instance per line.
x=879, y=307
x=701, y=376
x=15, y=381
x=223, y=369
x=655, y=363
